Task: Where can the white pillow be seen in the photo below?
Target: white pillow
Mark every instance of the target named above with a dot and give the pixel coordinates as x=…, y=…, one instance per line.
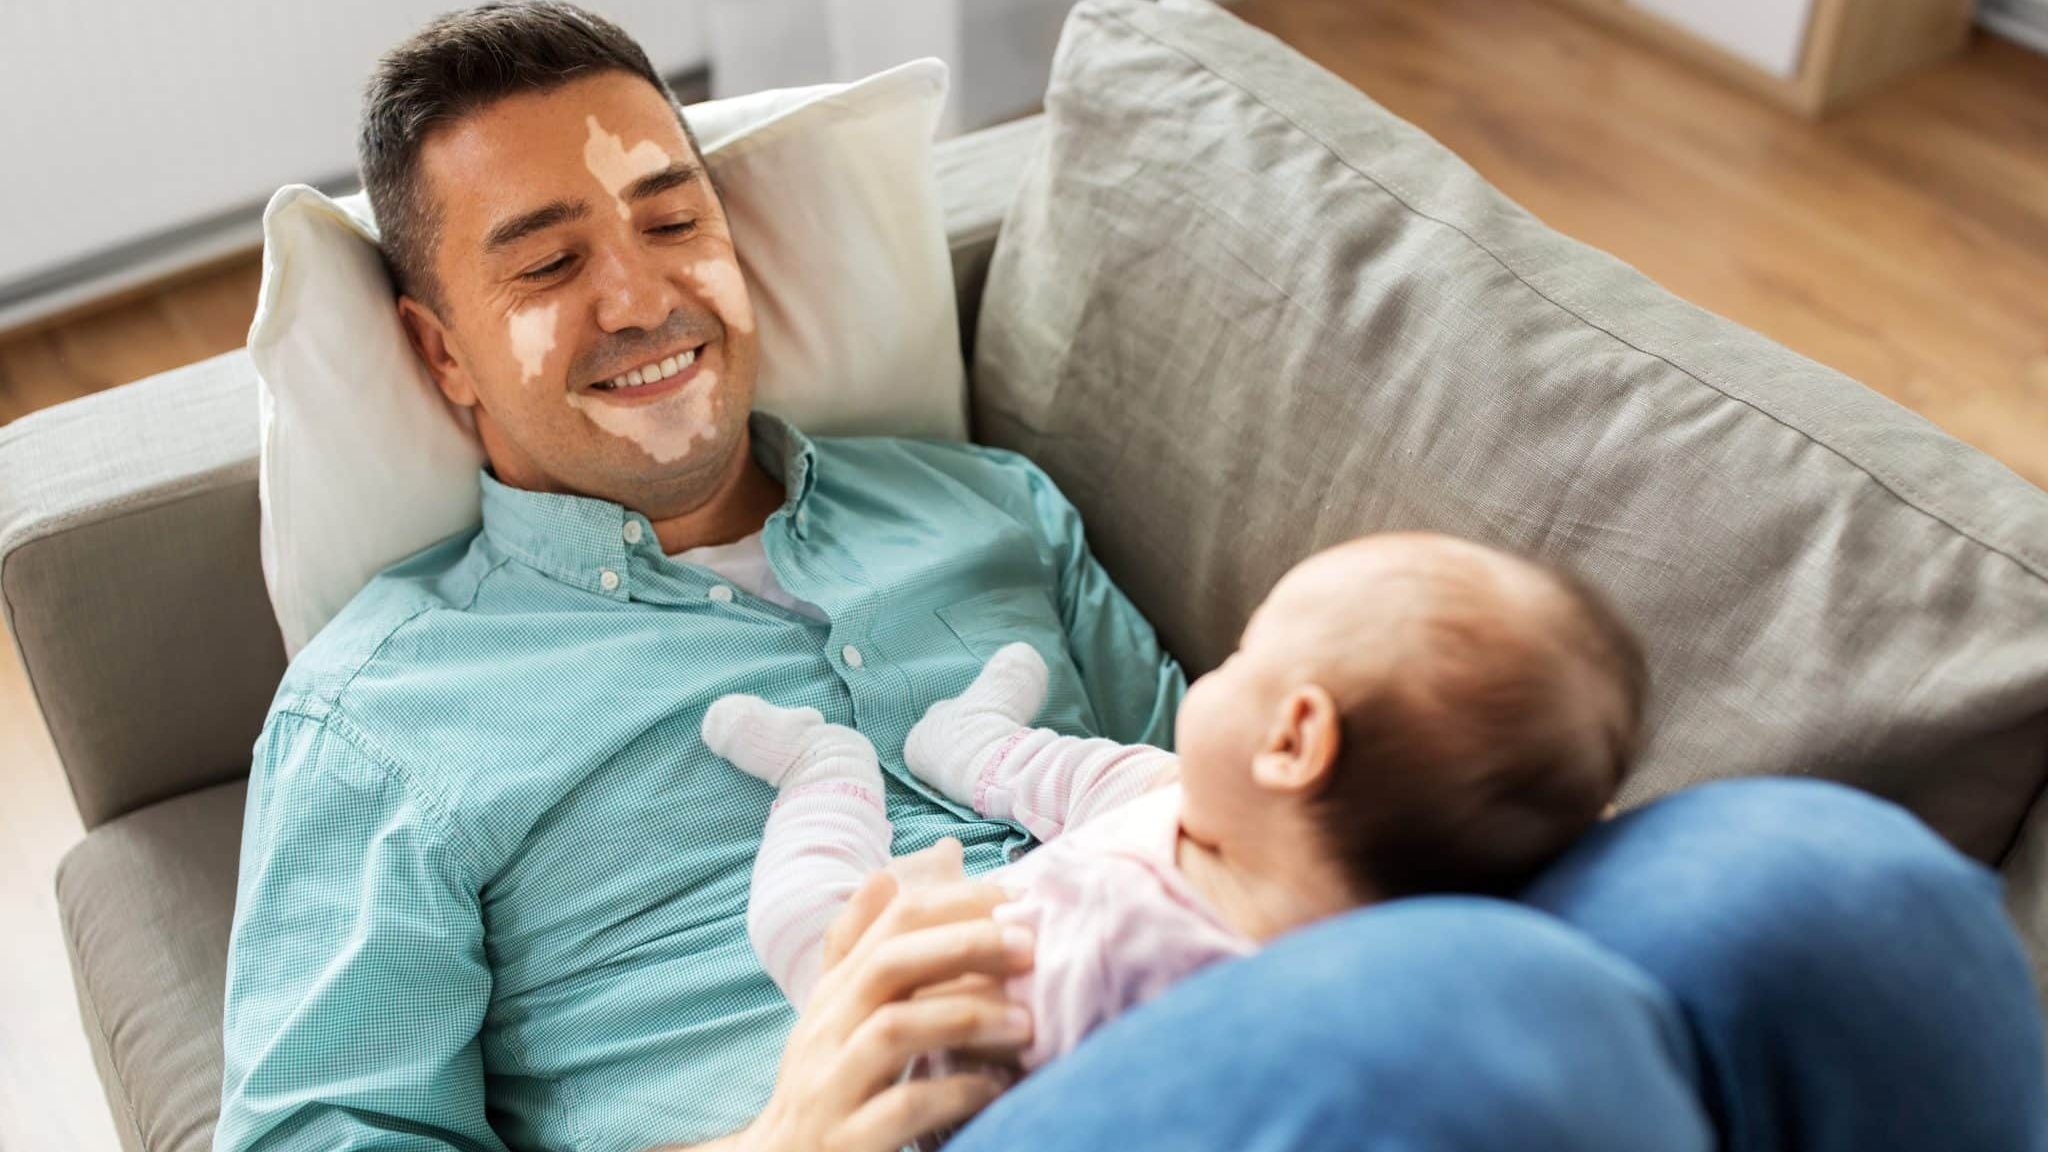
x=835, y=213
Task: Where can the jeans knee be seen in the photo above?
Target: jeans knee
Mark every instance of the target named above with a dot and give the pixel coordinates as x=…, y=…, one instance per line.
x=1441, y=1022
x=1862, y=837
x=1822, y=942
x=1468, y=969
x=1766, y=865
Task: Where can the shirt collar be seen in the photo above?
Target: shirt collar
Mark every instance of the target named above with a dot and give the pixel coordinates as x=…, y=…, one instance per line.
x=578, y=539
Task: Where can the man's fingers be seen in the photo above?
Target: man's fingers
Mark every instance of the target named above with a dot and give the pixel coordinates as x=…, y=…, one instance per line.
x=898, y=965
x=977, y=986
x=873, y=1012
x=916, y=1107
x=898, y=1033
x=952, y=903
x=910, y=911
x=935, y=871
x=877, y=1052
x=853, y=921
x=942, y=863
x=972, y=984
x=896, y=954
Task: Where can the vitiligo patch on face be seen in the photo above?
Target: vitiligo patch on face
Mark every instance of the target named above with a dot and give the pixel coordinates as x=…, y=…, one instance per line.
x=666, y=429
x=721, y=283
x=616, y=166
x=533, y=337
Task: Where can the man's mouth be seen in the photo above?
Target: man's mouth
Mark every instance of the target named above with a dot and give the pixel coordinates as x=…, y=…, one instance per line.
x=654, y=378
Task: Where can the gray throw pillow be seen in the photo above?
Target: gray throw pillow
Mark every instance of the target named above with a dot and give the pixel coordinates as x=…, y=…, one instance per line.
x=1240, y=312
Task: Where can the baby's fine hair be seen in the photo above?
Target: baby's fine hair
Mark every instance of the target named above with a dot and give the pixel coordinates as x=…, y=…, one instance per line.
x=1490, y=750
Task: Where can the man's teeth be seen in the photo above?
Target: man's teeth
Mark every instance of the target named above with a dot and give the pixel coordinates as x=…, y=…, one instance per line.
x=651, y=374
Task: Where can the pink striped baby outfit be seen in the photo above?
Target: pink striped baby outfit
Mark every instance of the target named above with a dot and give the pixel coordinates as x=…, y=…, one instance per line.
x=1116, y=921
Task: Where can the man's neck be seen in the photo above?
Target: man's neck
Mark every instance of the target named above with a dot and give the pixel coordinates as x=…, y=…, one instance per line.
x=747, y=495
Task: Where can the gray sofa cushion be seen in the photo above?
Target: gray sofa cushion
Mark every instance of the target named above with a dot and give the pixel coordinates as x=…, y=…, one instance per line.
x=1240, y=312
x=147, y=902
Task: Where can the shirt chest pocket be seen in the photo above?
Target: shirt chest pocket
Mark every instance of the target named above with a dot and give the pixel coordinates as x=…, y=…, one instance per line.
x=985, y=623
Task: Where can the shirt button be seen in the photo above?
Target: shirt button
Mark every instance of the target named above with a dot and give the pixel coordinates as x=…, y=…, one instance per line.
x=632, y=532
x=803, y=520
x=609, y=580
x=851, y=655
x=720, y=593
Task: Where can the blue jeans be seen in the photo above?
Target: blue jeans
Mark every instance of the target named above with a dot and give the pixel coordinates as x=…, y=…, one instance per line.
x=1749, y=965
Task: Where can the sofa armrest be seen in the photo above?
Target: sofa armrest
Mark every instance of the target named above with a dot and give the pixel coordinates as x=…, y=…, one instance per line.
x=131, y=584
x=129, y=572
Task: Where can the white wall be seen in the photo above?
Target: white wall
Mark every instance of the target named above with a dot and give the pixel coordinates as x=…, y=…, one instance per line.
x=125, y=118
x=2023, y=20
x=999, y=51
x=1767, y=33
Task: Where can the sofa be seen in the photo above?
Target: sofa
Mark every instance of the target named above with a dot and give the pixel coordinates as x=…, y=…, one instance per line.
x=1238, y=312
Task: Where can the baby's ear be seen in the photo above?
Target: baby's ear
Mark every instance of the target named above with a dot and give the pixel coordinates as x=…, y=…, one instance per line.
x=1301, y=746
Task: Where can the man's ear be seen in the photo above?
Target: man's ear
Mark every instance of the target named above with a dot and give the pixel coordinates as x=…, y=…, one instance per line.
x=1301, y=745
x=430, y=342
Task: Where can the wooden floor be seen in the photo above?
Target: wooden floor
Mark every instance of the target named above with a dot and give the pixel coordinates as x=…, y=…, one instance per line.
x=1904, y=241
x=49, y=1095
x=202, y=315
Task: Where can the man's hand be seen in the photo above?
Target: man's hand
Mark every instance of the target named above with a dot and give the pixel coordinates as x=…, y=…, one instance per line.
x=914, y=964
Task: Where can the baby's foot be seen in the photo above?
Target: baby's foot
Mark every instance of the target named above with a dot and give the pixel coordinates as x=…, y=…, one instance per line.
x=788, y=747
x=946, y=747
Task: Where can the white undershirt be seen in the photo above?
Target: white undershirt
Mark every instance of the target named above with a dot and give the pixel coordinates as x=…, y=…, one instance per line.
x=745, y=563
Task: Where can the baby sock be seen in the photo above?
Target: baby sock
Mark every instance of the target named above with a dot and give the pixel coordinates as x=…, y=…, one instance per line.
x=788, y=747
x=951, y=744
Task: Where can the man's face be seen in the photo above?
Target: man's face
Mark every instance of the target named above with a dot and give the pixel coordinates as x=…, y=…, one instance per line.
x=581, y=243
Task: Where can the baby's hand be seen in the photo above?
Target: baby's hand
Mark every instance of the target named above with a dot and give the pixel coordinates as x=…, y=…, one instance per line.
x=946, y=747
x=787, y=746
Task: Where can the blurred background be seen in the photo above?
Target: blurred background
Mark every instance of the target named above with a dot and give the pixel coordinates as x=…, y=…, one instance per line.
x=149, y=136
x=1865, y=181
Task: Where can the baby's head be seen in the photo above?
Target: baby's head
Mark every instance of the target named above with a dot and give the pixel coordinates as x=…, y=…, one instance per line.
x=1423, y=713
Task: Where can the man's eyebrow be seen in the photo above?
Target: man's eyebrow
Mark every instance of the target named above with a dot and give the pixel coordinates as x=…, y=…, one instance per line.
x=546, y=216
x=655, y=183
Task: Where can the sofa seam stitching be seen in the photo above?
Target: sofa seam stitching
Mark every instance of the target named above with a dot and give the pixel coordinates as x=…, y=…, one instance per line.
x=176, y=490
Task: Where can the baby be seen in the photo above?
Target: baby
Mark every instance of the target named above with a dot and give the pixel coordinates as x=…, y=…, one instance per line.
x=1405, y=714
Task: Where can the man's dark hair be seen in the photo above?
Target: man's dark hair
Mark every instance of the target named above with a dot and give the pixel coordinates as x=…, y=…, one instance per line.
x=459, y=63
x=1472, y=767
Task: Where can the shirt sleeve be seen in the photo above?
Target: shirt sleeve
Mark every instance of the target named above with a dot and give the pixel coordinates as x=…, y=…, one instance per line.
x=1134, y=686
x=356, y=982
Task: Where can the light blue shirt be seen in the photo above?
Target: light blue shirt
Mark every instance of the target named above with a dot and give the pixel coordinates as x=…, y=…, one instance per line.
x=493, y=886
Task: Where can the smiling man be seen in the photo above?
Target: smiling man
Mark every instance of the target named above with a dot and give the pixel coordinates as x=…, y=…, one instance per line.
x=493, y=886
x=585, y=302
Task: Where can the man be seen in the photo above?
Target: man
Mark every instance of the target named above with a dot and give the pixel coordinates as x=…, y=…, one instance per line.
x=493, y=886
x=492, y=878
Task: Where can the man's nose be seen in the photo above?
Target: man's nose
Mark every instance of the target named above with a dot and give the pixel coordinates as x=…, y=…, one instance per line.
x=633, y=291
